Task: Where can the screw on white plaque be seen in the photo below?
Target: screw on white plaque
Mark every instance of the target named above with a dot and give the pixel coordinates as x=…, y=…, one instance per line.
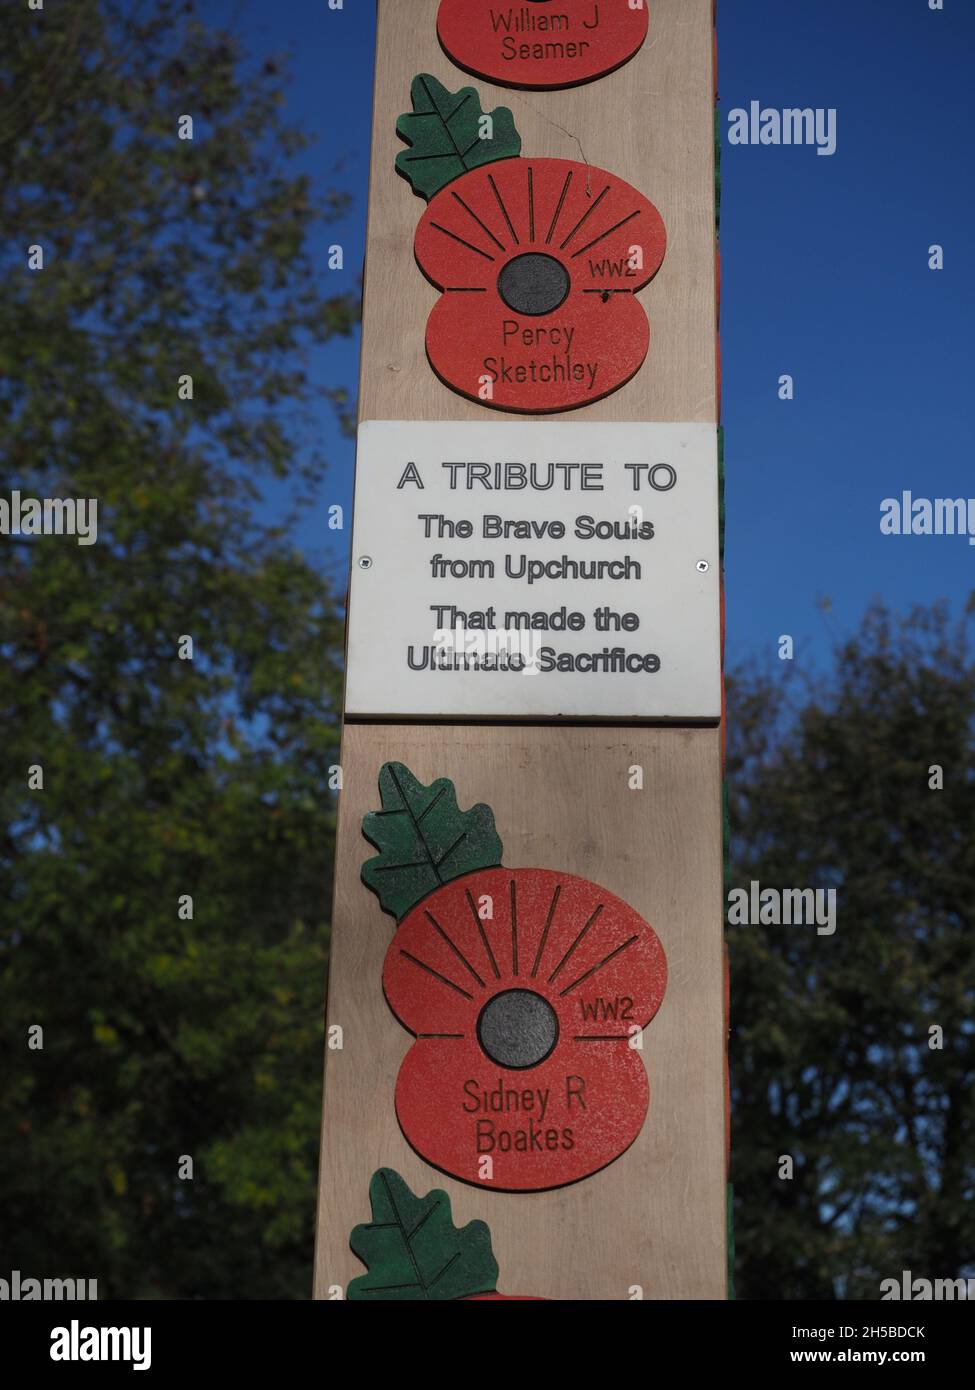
x=703, y=566
x=365, y=562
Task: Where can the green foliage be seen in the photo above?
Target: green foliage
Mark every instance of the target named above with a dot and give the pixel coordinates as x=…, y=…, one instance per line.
x=443, y=132
x=163, y=1036
x=830, y=1056
x=424, y=838
x=413, y=1250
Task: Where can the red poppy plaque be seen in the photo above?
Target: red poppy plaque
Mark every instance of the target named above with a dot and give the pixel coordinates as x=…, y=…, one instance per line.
x=538, y=260
x=526, y=990
x=544, y=43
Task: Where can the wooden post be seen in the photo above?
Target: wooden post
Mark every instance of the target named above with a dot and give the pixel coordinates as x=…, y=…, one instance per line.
x=623, y=800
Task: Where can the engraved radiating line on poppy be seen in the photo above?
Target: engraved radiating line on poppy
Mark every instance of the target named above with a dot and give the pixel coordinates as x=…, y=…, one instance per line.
x=504, y=210
x=453, y=946
x=548, y=923
x=531, y=206
x=483, y=225
x=605, y=961
x=576, y=942
x=469, y=244
x=441, y=1035
x=435, y=973
x=514, y=929
x=480, y=927
x=608, y=232
x=585, y=216
x=555, y=218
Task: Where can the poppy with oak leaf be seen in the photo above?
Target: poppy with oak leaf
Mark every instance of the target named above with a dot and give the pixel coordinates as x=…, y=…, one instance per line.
x=527, y=991
x=538, y=260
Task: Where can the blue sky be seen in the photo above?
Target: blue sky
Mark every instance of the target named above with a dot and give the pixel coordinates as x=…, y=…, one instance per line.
x=824, y=277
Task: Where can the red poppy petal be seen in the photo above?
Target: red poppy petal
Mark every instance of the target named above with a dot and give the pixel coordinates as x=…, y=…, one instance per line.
x=539, y=260
x=427, y=987
x=604, y=232
x=599, y=965
x=590, y=971
x=541, y=1127
x=446, y=959
x=584, y=350
x=461, y=241
x=582, y=41
x=618, y=240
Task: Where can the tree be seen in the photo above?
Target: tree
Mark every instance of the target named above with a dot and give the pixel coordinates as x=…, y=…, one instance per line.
x=165, y=1035
x=833, y=1057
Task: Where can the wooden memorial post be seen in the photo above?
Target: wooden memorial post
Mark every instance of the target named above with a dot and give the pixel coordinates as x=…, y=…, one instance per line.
x=526, y=1011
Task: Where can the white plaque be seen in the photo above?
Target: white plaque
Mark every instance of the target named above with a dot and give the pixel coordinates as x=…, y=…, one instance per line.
x=525, y=569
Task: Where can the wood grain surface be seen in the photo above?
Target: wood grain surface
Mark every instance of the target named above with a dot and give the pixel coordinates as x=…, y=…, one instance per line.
x=655, y=1218
x=651, y=122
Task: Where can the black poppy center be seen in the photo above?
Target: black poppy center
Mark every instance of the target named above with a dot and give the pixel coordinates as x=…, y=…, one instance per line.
x=533, y=283
x=517, y=1028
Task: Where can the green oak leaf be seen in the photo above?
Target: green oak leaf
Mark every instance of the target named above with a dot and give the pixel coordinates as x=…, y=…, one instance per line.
x=424, y=839
x=413, y=1250
x=443, y=132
